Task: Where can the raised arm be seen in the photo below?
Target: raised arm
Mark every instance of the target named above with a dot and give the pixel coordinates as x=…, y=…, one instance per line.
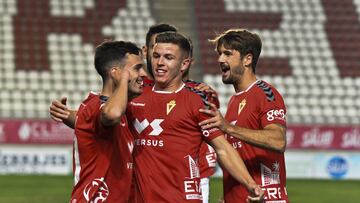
x=231, y=161
x=115, y=106
x=273, y=136
x=61, y=113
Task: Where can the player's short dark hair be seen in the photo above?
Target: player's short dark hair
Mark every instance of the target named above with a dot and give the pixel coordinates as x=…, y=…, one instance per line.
x=112, y=53
x=175, y=38
x=159, y=28
x=243, y=41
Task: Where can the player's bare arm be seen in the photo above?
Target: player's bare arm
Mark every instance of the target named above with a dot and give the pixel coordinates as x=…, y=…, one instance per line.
x=231, y=160
x=115, y=107
x=61, y=113
x=273, y=136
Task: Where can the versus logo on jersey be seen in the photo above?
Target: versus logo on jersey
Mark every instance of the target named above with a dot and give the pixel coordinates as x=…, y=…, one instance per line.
x=97, y=190
x=276, y=114
x=170, y=106
x=156, y=131
x=241, y=105
x=155, y=124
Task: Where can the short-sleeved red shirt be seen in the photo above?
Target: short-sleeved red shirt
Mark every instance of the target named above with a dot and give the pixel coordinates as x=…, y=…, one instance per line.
x=167, y=144
x=102, y=160
x=259, y=105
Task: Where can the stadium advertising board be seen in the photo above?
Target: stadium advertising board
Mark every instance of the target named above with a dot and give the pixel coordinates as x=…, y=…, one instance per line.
x=323, y=137
x=35, y=159
x=322, y=165
x=319, y=165
x=34, y=132
x=298, y=137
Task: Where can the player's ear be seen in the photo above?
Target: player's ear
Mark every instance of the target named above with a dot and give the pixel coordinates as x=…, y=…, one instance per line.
x=113, y=71
x=144, y=50
x=185, y=64
x=247, y=60
x=192, y=61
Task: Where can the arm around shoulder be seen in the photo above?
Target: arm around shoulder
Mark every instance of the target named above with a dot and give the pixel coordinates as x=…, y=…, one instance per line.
x=61, y=113
x=70, y=121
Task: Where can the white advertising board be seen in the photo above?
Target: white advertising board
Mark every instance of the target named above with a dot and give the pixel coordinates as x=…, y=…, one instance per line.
x=322, y=164
x=35, y=159
x=319, y=164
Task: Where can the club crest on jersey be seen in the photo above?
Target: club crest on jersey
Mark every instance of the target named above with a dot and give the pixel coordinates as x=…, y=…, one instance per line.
x=170, y=106
x=96, y=191
x=241, y=106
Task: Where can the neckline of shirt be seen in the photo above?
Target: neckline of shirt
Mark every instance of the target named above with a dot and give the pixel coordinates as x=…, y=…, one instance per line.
x=94, y=93
x=168, y=92
x=247, y=89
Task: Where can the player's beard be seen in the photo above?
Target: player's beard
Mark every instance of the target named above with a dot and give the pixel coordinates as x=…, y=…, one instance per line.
x=235, y=74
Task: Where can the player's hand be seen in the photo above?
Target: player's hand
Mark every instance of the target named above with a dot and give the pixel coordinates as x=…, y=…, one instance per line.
x=217, y=120
x=207, y=89
x=58, y=110
x=125, y=75
x=256, y=194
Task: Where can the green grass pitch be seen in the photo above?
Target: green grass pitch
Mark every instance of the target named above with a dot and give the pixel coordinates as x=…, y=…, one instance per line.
x=56, y=189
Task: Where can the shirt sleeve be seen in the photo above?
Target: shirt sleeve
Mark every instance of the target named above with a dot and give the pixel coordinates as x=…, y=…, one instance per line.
x=209, y=134
x=273, y=111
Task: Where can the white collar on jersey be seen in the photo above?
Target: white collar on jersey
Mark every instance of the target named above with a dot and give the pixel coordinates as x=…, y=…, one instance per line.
x=167, y=92
x=238, y=93
x=95, y=93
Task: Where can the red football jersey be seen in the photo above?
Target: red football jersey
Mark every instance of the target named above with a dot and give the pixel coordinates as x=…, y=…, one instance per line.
x=102, y=160
x=207, y=157
x=207, y=160
x=258, y=106
x=167, y=143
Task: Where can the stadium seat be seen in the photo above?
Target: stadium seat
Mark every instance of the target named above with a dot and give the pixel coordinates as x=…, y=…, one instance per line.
x=299, y=55
x=317, y=82
x=62, y=64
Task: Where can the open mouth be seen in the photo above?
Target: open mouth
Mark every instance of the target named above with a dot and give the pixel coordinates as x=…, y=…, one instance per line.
x=160, y=72
x=224, y=67
x=140, y=81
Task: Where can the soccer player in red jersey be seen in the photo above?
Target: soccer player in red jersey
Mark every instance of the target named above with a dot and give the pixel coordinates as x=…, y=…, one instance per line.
x=102, y=160
x=255, y=122
x=164, y=121
x=207, y=157
x=149, y=44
